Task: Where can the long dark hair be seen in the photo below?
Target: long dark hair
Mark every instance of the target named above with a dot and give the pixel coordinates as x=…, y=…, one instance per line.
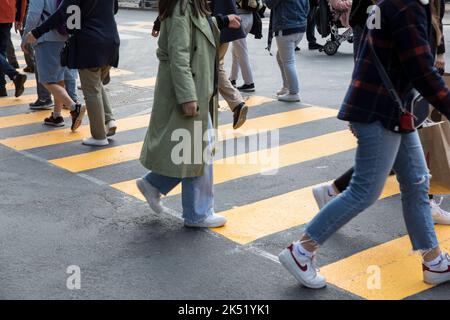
x=166, y=7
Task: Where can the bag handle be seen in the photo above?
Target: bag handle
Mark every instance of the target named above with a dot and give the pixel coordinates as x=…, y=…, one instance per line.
x=385, y=78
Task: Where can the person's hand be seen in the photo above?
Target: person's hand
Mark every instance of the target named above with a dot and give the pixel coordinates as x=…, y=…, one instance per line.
x=235, y=21
x=29, y=38
x=190, y=109
x=440, y=62
x=155, y=33
x=18, y=26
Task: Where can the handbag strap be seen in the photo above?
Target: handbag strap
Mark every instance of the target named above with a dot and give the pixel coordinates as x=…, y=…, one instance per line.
x=385, y=78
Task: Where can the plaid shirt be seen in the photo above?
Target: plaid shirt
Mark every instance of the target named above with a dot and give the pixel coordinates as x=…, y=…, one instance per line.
x=403, y=46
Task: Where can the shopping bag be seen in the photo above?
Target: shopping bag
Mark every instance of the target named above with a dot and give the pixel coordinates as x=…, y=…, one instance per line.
x=435, y=137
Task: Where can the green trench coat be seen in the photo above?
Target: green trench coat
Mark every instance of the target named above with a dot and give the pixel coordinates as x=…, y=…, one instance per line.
x=187, y=53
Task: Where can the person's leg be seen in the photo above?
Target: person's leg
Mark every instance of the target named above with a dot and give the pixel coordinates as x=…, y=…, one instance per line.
x=11, y=54
x=286, y=49
x=244, y=60
x=283, y=73
x=91, y=84
x=414, y=178
x=235, y=64
x=5, y=67
x=231, y=95
x=375, y=156
x=311, y=23
x=42, y=93
x=70, y=82
x=343, y=181
x=109, y=115
x=164, y=184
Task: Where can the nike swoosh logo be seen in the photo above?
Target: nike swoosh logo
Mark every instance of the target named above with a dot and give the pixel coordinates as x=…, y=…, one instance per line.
x=303, y=268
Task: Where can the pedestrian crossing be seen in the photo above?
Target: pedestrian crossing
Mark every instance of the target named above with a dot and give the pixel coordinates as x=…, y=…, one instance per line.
x=249, y=222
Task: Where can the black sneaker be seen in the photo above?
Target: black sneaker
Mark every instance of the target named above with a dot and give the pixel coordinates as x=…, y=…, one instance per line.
x=240, y=115
x=297, y=49
x=3, y=92
x=314, y=46
x=19, y=82
x=42, y=105
x=247, y=87
x=15, y=65
x=233, y=83
x=77, y=116
x=54, y=122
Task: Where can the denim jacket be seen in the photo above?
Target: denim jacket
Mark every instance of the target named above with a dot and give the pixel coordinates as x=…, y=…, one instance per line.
x=36, y=17
x=288, y=14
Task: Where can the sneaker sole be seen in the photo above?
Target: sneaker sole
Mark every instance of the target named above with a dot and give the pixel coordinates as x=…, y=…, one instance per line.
x=56, y=125
x=247, y=90
x=49, y=107
x=141, y=186
x=289, y=264
x=77, y=122
x=433, y=279
x=282, y=100
x=215, y=225
x=242, y=118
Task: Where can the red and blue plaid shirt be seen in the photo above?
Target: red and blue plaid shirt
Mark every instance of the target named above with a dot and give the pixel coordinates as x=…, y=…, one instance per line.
x=402, y=43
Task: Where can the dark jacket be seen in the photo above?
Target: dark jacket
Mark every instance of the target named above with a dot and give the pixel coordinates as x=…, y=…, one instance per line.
x=358, y=13
x=97, y=43
x=226, y=7
x=288, y=14
x=403, y=46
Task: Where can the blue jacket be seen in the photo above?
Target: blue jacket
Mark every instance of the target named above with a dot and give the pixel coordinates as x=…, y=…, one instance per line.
x=288, y=14
x=36, y=17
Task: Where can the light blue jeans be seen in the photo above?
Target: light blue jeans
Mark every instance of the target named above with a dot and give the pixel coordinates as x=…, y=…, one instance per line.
x=379, y=150
x=287, y=61
x=197, y=193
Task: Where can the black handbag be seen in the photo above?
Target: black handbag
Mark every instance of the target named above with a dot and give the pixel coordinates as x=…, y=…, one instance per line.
x=414, y=110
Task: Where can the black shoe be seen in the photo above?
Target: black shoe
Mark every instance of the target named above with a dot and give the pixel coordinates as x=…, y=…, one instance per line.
x=3, y=92
x=247, y=88
x=29, y=70
x=314, y=46
x=41, y=105
x=233, y=83
x=77, y=116
x=19, y=82
x=297, y=49
x=240, y=115
x=15, y=65
x=54, y=122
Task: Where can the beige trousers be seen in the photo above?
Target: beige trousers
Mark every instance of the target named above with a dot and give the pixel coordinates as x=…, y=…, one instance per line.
x=97, y=102
x=231, y=95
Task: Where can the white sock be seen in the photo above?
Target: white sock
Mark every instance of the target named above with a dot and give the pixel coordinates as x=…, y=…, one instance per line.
x=73, y=107
x=434, y=262
x=56, y=115
x=331, y=191
x=302, y=251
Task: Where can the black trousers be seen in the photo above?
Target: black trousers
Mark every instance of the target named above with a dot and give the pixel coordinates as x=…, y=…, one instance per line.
x=311, y=26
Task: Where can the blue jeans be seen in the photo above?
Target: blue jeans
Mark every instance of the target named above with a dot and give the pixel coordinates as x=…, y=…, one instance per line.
x=379, y=150
x=286, y=60
x=197, y=193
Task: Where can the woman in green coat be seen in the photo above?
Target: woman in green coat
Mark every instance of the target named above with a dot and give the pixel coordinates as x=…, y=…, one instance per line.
x=178, y=145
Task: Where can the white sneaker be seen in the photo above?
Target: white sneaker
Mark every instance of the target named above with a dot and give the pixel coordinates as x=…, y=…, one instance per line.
x=282, y=91
x=94, y=142
x=289, y=97
x=440, y=216
x=437, y=274
x=322, y=196
x=151, y=194
x=213, y=221
x=302, y=268
x=111, y=128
